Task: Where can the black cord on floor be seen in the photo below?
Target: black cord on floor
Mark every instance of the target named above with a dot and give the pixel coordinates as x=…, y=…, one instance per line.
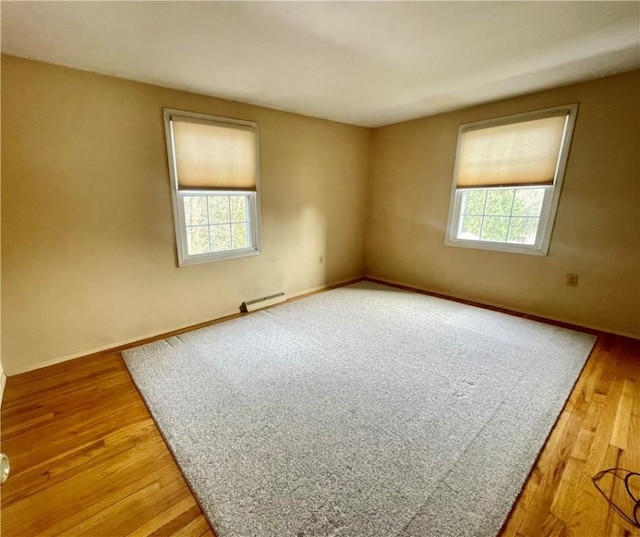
x=632, y=518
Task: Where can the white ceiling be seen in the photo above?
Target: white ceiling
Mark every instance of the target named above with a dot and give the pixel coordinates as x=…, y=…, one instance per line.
x=366, y=63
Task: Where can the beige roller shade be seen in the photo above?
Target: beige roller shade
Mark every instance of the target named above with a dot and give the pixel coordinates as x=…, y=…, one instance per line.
x=211, y=155
x=524, y=153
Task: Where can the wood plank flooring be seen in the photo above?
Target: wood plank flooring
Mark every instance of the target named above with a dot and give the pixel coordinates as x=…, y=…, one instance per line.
x=598, y=429
x=87, y=458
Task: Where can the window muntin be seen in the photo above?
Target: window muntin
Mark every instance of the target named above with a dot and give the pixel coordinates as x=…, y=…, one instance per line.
x=507, y=181
x=501, y=214
x=213, y=166
x=216, y=222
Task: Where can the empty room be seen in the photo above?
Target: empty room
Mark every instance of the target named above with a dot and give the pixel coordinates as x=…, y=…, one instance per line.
x=320, y=269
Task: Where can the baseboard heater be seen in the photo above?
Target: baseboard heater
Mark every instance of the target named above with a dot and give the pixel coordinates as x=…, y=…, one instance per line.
x=259, y=303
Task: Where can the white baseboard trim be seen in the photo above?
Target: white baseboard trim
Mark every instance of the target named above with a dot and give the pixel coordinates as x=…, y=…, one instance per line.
x=502, y=306
x=140, y=339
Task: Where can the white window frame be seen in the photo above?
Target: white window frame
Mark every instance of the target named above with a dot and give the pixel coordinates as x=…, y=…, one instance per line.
x=551, y=195
x=179, y=219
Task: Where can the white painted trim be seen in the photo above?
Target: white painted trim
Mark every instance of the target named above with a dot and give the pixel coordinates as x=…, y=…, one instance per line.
x=140, y=339
x=444, y=295
x=508, y=247
x=551, y=197
x=183, y=257
x=3, y=383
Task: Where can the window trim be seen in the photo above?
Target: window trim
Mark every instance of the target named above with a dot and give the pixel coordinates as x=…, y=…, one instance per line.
x=179, y=220
x=551, y=198
x=195, y=259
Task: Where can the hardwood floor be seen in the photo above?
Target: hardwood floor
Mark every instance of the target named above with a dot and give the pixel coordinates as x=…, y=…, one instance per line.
x=598, y=429
x=87, y=458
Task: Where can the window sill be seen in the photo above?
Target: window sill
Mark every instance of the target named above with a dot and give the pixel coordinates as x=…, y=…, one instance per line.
x=509, y=248
x=217, y=256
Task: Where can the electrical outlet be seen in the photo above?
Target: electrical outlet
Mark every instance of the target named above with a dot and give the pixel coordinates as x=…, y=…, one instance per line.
x=572, y=280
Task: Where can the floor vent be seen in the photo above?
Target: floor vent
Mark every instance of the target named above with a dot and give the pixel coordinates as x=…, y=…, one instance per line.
x=259, y=303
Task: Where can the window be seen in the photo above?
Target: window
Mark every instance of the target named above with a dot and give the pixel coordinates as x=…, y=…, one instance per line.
x=213, y=165
x=507, y=180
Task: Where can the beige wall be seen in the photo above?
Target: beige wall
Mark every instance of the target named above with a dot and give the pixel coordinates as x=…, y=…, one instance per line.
x=597, y=229
x=88, y=254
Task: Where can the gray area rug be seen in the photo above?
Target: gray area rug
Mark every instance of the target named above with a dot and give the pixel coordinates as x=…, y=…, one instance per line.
x=362, y=411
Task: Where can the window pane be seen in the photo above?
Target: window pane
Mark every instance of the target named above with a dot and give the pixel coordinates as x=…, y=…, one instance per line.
x=198, y=240
x=195, y=210
x=239, y=235
x=506, y=180
x=523, y=230
x=528, y=202
x=494, y=228
x=473, y=201
x=499, y=202
x=218, y=209
x=220, y=238
x=486, y=214
x=217, y=223
x=239, y=209
x=470, y=227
